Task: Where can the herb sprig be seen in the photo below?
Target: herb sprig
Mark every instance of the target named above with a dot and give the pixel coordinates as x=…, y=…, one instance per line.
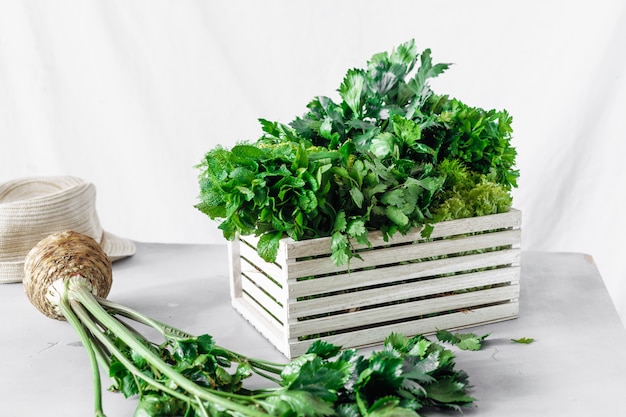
x=375, y=160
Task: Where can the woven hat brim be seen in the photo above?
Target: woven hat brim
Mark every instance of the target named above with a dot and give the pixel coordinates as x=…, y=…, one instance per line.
x=11, y=272
x=115, y=247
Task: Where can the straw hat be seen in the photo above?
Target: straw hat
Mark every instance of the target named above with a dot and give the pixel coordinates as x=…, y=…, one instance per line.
x=34, y=208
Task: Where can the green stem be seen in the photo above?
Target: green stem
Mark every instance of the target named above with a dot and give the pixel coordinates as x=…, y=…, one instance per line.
x=164, y=329
x=78, y=291
x=168, y=331
x=267, y=376
x=201, y=407
x=74, y=321
x=110, y=346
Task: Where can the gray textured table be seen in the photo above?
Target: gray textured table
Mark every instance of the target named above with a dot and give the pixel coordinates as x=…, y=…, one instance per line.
x=576, y=367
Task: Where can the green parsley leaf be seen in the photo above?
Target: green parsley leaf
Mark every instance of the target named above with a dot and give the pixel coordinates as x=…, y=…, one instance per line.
x=323, y=349
x=383, y=145
x=389, y=407
x=447, y=390
x=352, y=90
x=524, y=340
x=356, y=228
x=298, y=403
x=357, y=197
x=396, y=215
x=464, y=341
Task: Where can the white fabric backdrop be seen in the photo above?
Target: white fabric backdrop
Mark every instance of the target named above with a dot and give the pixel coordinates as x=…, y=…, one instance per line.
x=130, y=95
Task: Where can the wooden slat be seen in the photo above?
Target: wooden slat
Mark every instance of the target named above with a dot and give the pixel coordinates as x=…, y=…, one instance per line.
x=377, y=334
x=400, y=311
x=413, y=270
x=399, y=292
x=234, y=261
x=321, y=246
x=264, y=300
x=263, y=322
x=266, y=284
x=403, y=253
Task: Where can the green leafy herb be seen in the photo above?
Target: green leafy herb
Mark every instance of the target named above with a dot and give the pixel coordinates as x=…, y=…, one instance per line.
x=408, y=374
x=194, y=376
x=523, y=340
x=464, y=341
x=391, y=155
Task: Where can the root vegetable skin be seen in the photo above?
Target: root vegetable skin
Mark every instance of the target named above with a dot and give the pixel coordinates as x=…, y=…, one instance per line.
x=56, y=259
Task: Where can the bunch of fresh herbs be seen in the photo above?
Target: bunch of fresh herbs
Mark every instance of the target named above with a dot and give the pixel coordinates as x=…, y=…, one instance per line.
x=407, y=375
x=391, y=155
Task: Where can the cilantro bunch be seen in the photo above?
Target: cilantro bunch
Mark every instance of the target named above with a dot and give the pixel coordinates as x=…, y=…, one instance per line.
x=379, y=159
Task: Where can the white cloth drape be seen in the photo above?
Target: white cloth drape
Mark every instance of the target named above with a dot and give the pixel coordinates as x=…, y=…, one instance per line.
x=130, y=94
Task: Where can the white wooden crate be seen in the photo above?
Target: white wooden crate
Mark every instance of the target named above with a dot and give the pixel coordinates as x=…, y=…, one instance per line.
x=467, y=273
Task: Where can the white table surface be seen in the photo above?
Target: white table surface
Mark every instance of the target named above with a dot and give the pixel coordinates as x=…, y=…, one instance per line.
x=576, y=367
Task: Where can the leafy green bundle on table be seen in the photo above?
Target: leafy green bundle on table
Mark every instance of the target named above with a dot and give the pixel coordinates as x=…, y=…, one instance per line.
x=67, y=276
x=391, y=155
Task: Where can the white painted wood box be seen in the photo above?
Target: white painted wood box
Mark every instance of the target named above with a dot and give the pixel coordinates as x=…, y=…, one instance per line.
x=467, y=273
